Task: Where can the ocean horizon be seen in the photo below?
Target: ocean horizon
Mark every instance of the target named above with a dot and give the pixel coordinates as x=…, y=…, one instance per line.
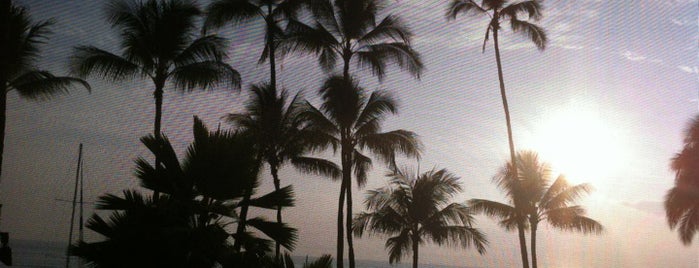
x=44, y=254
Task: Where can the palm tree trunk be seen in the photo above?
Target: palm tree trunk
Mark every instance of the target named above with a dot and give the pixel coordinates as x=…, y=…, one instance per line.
x=415, y=249
x=513, y=160
x=340, y=223
x=346, y=57
x=158, y=94
x=3, y=118
x=242, y=221
x=271, y=46
x=274, y=169
x=350, y=243
x=533, y=243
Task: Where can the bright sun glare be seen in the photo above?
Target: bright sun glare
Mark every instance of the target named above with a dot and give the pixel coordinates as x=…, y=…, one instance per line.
x=581, y=145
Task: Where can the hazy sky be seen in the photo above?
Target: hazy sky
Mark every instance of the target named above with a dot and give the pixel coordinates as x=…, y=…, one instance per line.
x=606, y=102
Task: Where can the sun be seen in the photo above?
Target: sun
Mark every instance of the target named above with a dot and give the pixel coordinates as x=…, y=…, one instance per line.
x=580, y=144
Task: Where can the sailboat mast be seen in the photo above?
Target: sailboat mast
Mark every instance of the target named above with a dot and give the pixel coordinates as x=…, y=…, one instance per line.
x=75, y=196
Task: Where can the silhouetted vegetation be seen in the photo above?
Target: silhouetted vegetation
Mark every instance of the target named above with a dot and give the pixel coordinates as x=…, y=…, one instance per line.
x=682, y=201
x=350, y=120
x=349, y=30
x=209, y=189
x=20, y=39
x=543, y=200
x=416, y=209
x=280, y=134
x=499, y=11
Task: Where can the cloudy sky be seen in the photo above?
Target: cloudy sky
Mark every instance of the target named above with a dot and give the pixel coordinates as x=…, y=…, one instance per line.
x=605, y=103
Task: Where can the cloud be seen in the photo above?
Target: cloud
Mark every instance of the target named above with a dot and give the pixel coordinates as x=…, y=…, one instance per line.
x=683, y=22
x=653, y=207
x=632, y=56
x=688, y=69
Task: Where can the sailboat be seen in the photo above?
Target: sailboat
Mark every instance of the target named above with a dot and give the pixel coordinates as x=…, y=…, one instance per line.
x=77, y=199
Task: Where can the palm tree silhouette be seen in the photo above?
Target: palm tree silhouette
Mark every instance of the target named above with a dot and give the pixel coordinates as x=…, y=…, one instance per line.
x=139, y=233
x=350, y=120
x=202, y=194
x=19, y=50
x=546, y=201
x=272, y=12
x=348, y=30
x=682, y=201
x=157, y=43
x=280, y=134
x=499, y=11
x=415, y=209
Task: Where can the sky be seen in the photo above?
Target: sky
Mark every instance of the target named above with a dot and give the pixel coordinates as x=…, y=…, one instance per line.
x=605, y=103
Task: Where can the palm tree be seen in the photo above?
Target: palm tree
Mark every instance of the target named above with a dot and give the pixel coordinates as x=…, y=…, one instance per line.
x=272, y=12
x=499, y=11
x=350, y=120
x=19, y=50
x=157, y=43
x=280, y=134
x=139, y=233
x=682, y=201
x=546, y=201
x=348, y=30
x=416, y=208
x=202, y=194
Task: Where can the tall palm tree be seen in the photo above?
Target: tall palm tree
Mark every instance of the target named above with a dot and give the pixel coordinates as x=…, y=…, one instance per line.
x=682, y=201
x=348, y=30
x=546, y=201
x=415, y=209
x=273, y=12
x=280, y=134
x=350, y=119
x=499, y=11
x=158, y=43
x=20, y=39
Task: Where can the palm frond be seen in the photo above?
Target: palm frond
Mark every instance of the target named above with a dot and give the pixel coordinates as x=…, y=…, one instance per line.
x=132, y=200
x=44, y=85
x=88, y=60
x=463, y=236
x=317, y=166
x=361, y=164
x=398, y=246
x=377, y=106
x=376, y=56
x=531, y=7
x=279, y=232
x=283, y=197
x=205, y=74
x=572, y=219
x=318, y=121
x=210, y=47
x=568, y=196
x=385, y=145
x=465, y=7
x=391, y=27
x=492, y=208
x=682, y=210
x=532, y=31
x=220, y=12
x=313, y=40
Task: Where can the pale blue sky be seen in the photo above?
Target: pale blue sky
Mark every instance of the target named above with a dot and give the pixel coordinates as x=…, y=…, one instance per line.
x=631, y=65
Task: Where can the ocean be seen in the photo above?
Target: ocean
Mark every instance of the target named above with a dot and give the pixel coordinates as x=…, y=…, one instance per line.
x=42, y=254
